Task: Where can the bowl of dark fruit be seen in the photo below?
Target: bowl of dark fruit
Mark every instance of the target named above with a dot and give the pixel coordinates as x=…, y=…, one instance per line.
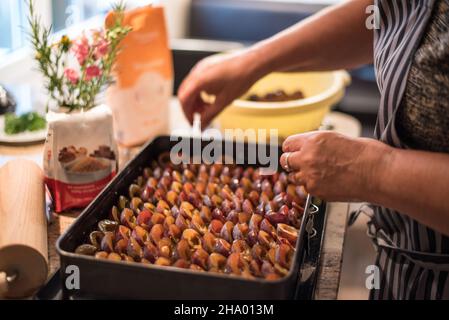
x=290, y=102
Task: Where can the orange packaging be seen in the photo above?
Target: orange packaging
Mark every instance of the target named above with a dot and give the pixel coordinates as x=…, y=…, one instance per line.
x=140, y=98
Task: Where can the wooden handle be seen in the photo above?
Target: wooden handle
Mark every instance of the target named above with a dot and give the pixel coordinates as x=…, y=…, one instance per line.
x=3, y=284
x=23, y=235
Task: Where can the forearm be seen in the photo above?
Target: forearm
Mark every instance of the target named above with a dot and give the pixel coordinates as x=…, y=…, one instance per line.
x=415, y=183
x=334, y=38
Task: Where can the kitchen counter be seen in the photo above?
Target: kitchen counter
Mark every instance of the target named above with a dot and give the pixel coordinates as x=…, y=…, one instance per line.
x=332, y=255
x=335, y=226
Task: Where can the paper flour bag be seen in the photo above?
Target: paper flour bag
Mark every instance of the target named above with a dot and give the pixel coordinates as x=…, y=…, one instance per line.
x=140, y=97
x=80, y=156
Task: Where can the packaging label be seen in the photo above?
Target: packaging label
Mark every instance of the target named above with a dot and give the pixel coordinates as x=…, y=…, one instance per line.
x=75, y=195
x=140, y=97
x=80, y=156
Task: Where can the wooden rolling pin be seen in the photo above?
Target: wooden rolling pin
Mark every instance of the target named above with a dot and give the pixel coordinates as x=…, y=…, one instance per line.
x=23, y=230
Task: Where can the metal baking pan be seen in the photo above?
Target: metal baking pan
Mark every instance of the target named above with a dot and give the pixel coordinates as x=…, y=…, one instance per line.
x=306, y=284
x=119, y=280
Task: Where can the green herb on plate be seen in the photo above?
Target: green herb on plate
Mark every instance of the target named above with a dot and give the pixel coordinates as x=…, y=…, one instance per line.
x=30, y=121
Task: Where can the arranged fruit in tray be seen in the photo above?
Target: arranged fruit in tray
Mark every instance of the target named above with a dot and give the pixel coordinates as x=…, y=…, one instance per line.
x=216, y=218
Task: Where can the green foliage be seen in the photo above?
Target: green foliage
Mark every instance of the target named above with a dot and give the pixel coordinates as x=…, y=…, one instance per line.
x=27, y=122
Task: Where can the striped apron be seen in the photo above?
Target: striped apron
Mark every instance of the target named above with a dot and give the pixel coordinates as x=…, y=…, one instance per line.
x=413, y=259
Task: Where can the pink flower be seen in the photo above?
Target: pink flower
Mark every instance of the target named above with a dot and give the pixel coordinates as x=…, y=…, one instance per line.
x=81, y=49
x=101, y=48
x=97, y=34
x=92, y=72
x=71, y=75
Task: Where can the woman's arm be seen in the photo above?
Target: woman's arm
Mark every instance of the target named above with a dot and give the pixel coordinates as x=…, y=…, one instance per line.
x=338, y=168
x=415, y=183
x=334, y=38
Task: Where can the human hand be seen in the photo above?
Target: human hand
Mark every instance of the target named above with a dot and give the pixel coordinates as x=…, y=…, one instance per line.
x=225, y=77
x=335, y=167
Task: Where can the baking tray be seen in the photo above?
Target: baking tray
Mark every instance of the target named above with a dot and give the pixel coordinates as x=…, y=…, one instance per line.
x=118, y=280
x=307, y=278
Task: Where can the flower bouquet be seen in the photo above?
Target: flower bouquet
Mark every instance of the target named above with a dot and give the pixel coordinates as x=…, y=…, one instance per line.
x=80, y=155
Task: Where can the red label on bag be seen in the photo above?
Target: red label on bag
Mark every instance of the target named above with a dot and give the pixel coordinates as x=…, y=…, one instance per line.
x=74, y=196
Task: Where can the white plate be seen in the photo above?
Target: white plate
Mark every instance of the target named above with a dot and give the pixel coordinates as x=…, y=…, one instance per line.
x=24, y=137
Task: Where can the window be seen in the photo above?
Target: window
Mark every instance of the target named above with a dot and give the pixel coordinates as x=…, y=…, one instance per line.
x=59, y=13
x=66, y=13
x=12, y=20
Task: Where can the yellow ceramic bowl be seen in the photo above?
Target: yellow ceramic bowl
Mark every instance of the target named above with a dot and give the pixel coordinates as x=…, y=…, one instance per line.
x=321, y=89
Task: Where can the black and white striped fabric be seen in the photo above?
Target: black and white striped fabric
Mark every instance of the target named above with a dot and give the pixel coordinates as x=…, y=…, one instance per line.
x=413, y=259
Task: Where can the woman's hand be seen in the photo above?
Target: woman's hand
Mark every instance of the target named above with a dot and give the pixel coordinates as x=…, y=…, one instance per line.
x=334, y=167
x=226, y=77
x=337, y=168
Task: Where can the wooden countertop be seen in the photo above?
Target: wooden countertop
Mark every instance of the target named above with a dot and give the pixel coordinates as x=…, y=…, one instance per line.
x=332, y=255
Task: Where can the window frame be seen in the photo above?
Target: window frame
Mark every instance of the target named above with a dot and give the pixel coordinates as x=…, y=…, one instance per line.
x=44, y=10
x=17, y=65
x=18, y=22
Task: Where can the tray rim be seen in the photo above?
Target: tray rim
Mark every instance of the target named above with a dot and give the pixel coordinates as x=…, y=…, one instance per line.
x=54, y=284
x=299, y=253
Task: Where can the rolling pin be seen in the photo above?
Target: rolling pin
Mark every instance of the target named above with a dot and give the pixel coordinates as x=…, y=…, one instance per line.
x=23, y=230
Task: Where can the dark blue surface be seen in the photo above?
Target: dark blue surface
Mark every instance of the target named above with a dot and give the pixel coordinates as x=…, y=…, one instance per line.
x=243, y=21
x=249, y=22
